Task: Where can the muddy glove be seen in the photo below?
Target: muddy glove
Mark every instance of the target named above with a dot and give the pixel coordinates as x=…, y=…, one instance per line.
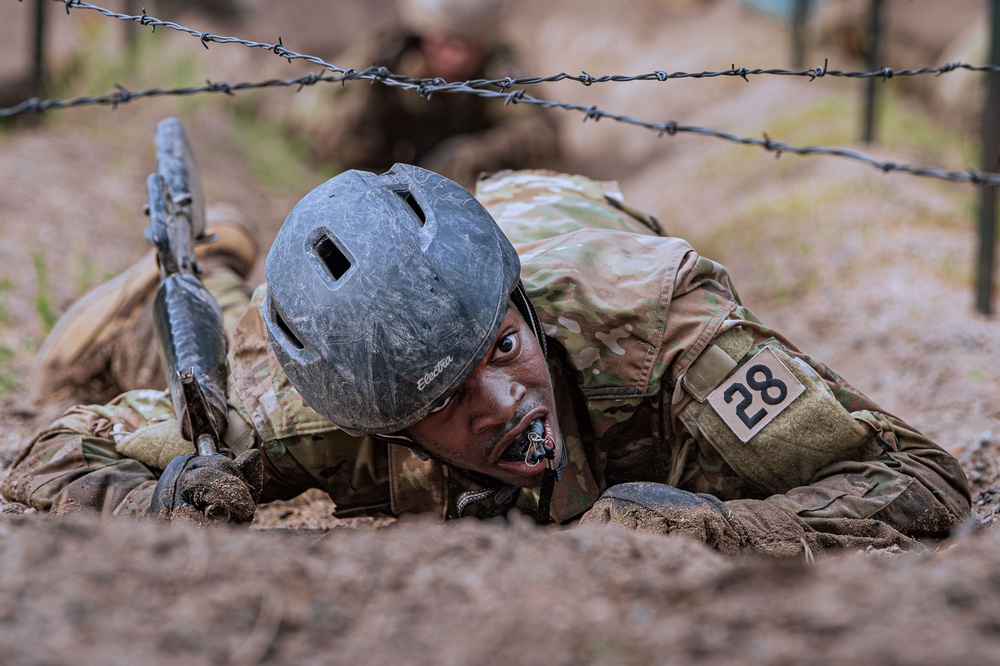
x=753, y=526
x=209, y=489
x=662, y=509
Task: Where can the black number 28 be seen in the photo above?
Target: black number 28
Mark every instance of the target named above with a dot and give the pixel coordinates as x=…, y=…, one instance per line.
x=762, y=387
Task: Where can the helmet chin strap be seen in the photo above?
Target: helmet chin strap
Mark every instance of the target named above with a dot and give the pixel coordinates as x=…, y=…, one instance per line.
x=553, y=470
x=527, y=310
x=549, y=477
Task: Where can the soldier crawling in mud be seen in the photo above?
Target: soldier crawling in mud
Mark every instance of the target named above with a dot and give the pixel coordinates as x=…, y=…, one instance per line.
x=458, y=136
x=542, y=347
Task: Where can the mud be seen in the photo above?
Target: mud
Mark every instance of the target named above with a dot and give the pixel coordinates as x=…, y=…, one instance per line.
x=473, y=593
x=867, y=271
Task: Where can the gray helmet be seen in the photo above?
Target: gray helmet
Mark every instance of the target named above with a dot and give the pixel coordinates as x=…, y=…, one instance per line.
x=384, y=292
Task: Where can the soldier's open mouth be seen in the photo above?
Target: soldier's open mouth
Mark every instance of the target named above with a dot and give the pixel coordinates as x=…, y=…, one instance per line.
x=532, y=446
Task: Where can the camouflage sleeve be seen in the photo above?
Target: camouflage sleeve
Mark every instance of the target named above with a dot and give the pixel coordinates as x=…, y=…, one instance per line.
x=353, y=471
x=107, y=458
x=644, y=417
x=301, y=448
x=74, y=465
x=913, y=485
x=892, y=473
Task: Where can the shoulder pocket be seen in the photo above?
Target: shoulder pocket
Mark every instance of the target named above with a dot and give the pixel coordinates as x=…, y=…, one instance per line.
x=777, y=430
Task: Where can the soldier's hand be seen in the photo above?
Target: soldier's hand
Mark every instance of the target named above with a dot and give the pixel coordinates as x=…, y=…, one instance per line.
x=209, y=489
x=754, y=526
x=662, y=509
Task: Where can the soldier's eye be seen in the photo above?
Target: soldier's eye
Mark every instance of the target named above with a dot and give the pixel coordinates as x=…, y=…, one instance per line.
x=441, y=405
x=506, y=347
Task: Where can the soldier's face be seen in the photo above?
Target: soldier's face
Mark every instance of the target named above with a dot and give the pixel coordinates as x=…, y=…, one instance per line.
x=484, y=426
x=450, y=58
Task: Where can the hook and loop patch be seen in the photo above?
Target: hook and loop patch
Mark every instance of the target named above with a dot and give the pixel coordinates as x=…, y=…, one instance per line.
x=756, y=394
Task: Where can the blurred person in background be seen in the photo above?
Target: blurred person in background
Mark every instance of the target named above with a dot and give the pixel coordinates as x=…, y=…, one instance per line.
x=372, y=127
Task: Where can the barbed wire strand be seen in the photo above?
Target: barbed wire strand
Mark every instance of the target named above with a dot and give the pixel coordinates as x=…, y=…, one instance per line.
x=123, y=95
x=812, y=73
x=428, y=87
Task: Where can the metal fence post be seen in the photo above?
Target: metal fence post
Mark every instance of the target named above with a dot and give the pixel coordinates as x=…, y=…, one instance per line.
x=874, y=57
x=990, y=162
x=38, y=72
x=799, y=19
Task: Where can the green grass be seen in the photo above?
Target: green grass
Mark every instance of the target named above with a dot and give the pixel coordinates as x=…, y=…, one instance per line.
x=84, y=277
x=901, y=124
x=5, y=286
x=92, y=69
x=8, y=374
x=279, y=162
x=43, y=297
x=150, y=62
x=767, y=231
x=87, y=274
x=828, y=122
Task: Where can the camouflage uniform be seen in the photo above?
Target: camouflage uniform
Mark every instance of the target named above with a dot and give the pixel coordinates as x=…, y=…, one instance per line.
x=630, y=315
x=372, y=127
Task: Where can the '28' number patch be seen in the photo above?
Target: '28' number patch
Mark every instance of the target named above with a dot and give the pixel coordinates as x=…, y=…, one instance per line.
x=754, y=396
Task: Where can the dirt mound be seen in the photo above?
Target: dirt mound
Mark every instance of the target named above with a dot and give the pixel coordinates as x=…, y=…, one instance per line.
x=76, y=590
x=867, y=271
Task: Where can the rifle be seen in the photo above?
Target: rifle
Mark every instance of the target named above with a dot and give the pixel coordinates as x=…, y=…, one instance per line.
x=187, y=318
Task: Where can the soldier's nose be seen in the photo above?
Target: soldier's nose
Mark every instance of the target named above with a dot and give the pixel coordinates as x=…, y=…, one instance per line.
x=496, y=397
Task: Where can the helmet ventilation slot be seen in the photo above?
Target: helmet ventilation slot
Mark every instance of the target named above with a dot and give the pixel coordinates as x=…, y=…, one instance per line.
x=414, y=206
x=329, y=254
x=285, y=330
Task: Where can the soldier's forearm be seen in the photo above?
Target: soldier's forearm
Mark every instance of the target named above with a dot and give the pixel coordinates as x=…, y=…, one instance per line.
x=903, y=490
x=69, y=471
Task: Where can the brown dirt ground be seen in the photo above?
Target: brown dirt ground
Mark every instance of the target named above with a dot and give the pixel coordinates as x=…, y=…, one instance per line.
x=869, y=272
